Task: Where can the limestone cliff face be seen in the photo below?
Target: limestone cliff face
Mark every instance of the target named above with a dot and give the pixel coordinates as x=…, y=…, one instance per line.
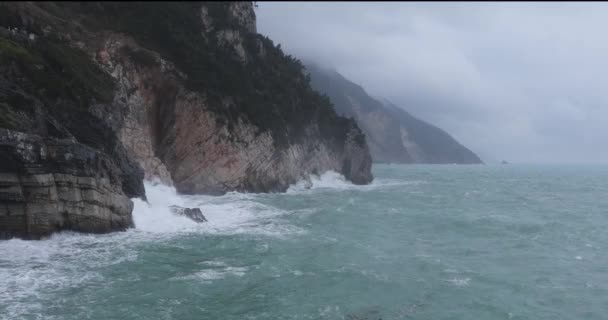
x=394, y=136
x=208, y=135
x=96, y=97
x=61, y=167
x=105, y=94
x=48, y=185
x=176, y=136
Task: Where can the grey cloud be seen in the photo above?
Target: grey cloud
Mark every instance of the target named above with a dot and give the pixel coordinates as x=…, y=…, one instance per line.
x=519, y=81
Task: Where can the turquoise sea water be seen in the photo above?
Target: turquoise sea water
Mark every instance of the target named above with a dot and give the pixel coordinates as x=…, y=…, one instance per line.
x=421, y=242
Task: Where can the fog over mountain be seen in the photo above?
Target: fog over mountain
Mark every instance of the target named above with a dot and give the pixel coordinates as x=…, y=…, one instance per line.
x=515, y=81
x=393, y=135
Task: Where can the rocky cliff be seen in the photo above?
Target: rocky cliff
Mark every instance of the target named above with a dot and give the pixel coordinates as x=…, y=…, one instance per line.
x=393, y=135
x=61, y=167
x=96, y=96
x=49, y=184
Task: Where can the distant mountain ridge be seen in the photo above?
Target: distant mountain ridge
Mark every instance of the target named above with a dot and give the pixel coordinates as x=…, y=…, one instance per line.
x=393, y=135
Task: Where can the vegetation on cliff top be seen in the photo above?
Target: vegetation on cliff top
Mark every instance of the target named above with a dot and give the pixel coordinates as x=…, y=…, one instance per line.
x=269, y=90
x=47, y=88
x=57, y=70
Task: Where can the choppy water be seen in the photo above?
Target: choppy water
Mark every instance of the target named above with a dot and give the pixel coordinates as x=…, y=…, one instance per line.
x=421, y=242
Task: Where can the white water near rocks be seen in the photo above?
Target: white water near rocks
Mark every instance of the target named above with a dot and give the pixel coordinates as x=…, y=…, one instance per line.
x=28, y=269
x=420, y=242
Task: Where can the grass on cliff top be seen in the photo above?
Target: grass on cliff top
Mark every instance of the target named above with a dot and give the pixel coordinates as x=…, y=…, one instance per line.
x=10, y=50
x=57, y=71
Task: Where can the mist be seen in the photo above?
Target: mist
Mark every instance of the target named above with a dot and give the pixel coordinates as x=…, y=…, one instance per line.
x=522, y=82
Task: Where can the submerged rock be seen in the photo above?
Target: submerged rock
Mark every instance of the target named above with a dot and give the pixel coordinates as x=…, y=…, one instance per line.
x=194, y=214
x=307, y=183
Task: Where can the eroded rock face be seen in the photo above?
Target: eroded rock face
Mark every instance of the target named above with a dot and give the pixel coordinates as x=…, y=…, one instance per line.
x=133, y=98
x=357, y=161
x=62, y=166
x=243, y=13
x=176, y=134
x=205, y=157
x=48, y=185
x=199, y=99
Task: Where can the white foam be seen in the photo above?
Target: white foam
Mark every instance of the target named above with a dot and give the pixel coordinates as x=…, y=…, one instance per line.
x=332, y=180
x=155, y=216
x=459, y=282
x=31, y=270
x=327, y=180
x=206, y=275
x=214, y=263
x=330, y=312
x=233, y=213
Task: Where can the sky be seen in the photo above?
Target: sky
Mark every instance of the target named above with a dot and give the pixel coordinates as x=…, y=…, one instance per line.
x=524, y=82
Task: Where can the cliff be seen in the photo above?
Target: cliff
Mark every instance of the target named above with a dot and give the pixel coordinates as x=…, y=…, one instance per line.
x=49, y=184
x=61, y=168
x=393, y=135
x=108, y=93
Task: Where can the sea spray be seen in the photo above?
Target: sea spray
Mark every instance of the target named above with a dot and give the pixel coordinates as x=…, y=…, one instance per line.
x=233, y=212
x=155, y=214
x=428, y=242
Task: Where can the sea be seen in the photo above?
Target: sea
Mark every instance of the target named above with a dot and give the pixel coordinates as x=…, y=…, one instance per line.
x=419, y=242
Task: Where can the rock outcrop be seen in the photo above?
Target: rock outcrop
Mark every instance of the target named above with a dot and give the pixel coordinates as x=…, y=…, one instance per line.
x=213, y=111
x=61, y=167
x=394, y=136
x=193, y=214
x=186, y=92
x=48, y=185
x=176, y=135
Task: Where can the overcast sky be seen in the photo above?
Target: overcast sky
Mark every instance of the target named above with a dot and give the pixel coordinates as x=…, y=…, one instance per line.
x=524, y=82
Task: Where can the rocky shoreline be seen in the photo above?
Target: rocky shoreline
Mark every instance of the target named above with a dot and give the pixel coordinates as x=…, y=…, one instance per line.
x=49, y=185
x=97, y=97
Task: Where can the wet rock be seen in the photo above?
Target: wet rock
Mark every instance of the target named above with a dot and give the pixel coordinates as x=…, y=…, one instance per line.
x=200, y=139
x=49, y=185
x=194, y=214
x=177, y=135
x=307, y=183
